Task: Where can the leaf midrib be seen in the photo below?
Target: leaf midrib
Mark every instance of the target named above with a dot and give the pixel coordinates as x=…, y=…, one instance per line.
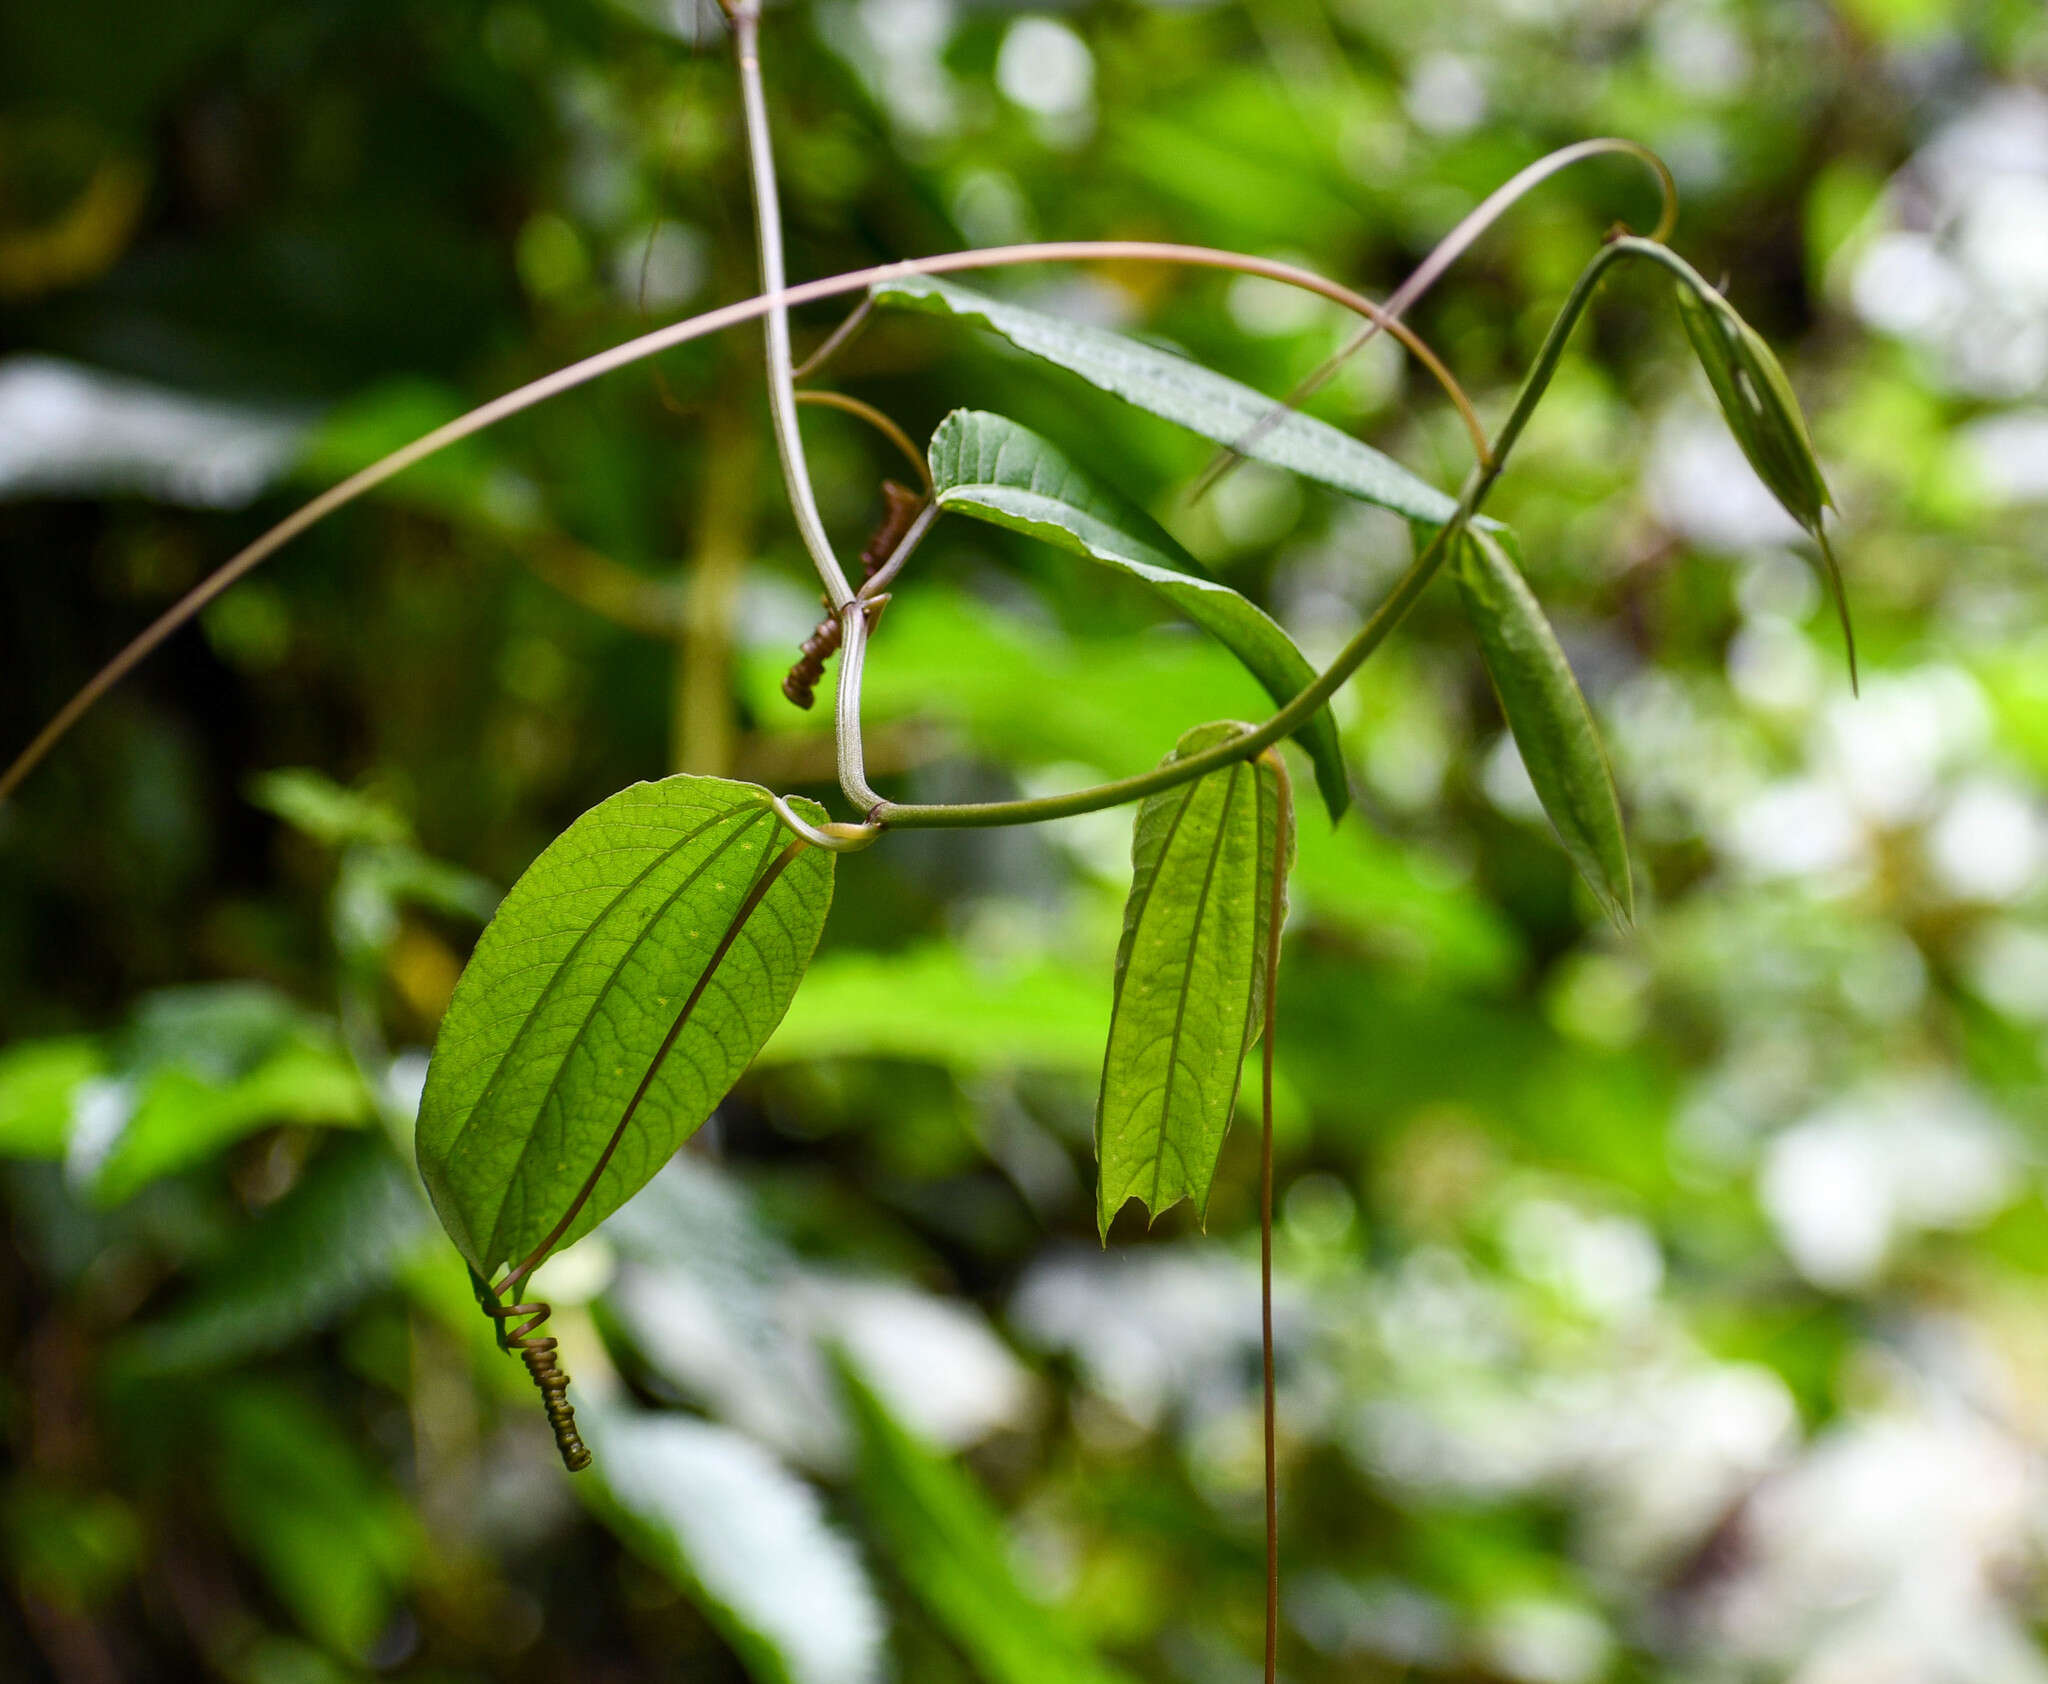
x=748, y=815
x=1187, y=971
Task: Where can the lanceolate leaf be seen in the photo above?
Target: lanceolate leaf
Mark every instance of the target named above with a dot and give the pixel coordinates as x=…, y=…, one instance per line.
x=607, y=990
x=1197, y=398
x=1762, y=412
x=1551, y=723
x=989, y=467
x=1190, y=978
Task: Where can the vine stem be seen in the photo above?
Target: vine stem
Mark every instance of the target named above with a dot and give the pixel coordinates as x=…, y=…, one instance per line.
x=789, y=439
x=594, y=367
x=1431, y=269
x=1277, y=914
x=1369, y=637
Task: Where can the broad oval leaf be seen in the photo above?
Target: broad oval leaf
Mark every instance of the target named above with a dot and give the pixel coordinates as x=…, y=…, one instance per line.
x=989, y=467
x=1551, y=723
x=605, y=999
x=1220, y=409
x=1763, y=413
x=1190, y=978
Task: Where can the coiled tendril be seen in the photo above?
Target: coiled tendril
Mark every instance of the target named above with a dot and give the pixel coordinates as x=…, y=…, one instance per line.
x=537, y=1351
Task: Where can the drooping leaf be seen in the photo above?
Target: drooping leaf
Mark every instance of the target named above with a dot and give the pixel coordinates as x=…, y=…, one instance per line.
x=1758, y=403
x=950, y=1548
x=610, y=1005
x=1190, y=978
x=748, y=1540
x=1213, y=405
x=1551, y=723
x=989, y=467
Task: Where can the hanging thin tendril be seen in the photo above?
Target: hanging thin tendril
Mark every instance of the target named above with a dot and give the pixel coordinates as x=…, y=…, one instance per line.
x=537, y=1351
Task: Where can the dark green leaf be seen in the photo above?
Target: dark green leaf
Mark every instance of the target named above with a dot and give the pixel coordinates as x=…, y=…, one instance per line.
x=1190, y=978
x=1551, y=723
x=565, y=1012
x=1763, y=413
x=990, y=467
x=951, y=1549
x=335, y=1237
x=1197, y=398
x=333, y=1538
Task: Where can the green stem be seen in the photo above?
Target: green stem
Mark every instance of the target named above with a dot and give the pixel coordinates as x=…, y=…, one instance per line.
x=1389, y=614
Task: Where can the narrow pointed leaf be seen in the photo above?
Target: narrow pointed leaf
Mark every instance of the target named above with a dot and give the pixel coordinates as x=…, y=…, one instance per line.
x=1190, y=978
x=989, y=467
x=1213, y=405
x=1763, y=413
x=1551, y=723
x=952, y=1550
x=607, y=975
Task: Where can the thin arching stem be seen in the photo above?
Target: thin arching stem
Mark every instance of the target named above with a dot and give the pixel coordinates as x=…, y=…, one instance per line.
x=881, y=423
x=835, y=340
x=632, y=351
x=1368, y=637
x=1447, y=251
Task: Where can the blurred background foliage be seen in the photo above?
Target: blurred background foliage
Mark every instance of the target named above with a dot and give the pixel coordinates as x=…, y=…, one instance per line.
x=1660, y=1304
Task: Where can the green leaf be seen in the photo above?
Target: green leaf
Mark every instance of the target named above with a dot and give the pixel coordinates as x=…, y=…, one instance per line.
x=332, y=1537
x=336, y=1237
x=995, y=470
x=1763, y=413
x=608, y=974
x=1551, y=723
x=935, y=1003
x=183, y=1116
x=1215, y=406
x=747, y=1539
x=39, y=1087
x=1190, y=978
x=951, y=1549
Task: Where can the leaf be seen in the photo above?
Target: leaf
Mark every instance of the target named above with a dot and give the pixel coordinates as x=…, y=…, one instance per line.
x=39, y=1087
x=950, y=1547
x=1758, y=403
x=1220, y=409
x=182, y=1117
x=1190, y=978
x=613, y=942
x=991, y=468
x=334, y=1539
x=332, y=1240
x=1551, y=723
x=934, y=1003
x=748, y=1540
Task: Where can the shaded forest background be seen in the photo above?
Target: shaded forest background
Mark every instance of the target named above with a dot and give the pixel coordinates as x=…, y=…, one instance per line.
x=1661, y=1304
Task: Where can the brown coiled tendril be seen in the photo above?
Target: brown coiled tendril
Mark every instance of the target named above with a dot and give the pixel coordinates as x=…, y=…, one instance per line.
x=537, y=1351
x=901, y=506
